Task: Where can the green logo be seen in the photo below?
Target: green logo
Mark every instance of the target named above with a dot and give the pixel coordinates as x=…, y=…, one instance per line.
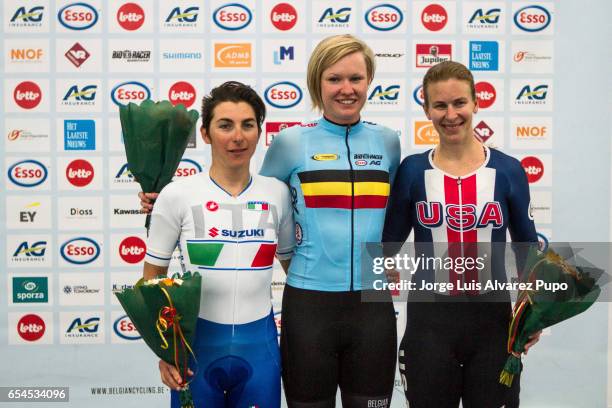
x=30, y=290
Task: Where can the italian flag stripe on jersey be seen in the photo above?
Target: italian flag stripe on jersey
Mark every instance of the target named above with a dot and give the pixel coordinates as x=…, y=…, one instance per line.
x=204, y=253
x=243, y=255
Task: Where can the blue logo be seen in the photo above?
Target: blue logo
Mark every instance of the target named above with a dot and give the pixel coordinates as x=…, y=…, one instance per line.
x=80, y=250
x=283, y=53
x=125, y=329
x=77, y=16
x=87, y=93
x=79, y=134
x=417, y=95
x=34, y=15
x=390, y=93
x=384, y=17
x=342, y=15
x=491, y=17
x=484, y=55
x=28, y=173
x=232, y=17
x=37, y=249
x=131, y=91
x=190, y=15
x=283, y=94
x=535, y=95
x=532, y=18
x=88, y=326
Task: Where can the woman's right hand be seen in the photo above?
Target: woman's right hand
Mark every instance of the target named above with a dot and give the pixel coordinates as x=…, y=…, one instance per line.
x=170, y=375
x=146, y=201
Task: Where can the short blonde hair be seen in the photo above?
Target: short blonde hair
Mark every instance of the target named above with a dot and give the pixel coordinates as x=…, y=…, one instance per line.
x=329, y=51
x=447, y=70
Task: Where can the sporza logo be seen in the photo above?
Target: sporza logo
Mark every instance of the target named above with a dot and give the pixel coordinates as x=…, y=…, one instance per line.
x=131, y=91
x=283, y=95
x=532, y=18
x=80, y=250
x=232, y=17
x=30, y=290
x=27, y=173
x=78, y=16
x=384, y=17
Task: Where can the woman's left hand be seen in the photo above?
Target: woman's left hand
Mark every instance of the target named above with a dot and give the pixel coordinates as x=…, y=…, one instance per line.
x=533, y=339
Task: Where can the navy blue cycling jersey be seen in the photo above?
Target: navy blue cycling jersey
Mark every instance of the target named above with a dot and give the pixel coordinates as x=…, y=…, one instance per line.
x=340, y=179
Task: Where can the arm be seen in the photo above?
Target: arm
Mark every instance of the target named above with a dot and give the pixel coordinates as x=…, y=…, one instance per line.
x=398, y=218
x=150, y=271
x=286, y=230
x=285, y=264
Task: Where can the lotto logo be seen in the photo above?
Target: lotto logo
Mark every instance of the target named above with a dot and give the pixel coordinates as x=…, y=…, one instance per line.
x=31, y=327
x=132, y=250
x=130, y=16
x=182, y=92
x=79, y=173
x=283, y=16
x=534, y=168
x=27, y=95
x=485, y=94
x=434, y=17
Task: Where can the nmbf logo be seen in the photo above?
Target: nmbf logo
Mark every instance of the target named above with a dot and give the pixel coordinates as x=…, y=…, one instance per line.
x=78, y=16
x=79, y=173
x=187, y=167
x=27, y=18
x=535, y=96
x=131, y=91
x=485, y=94
x=384, y=17
x=532, y=18
x=27, y=95
x=434, y=17
x=283, y=16
x=182, y=92
x=27, y=173
x=534, y=168
x=80, y=250
x=132, y=250
x=232, y=17
x=125, y=329
x=283, y=95
x=380, y=95
x=130, y=16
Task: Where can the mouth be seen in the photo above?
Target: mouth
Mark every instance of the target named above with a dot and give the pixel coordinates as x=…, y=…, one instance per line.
x=347, y=102
x=237, y=152
x=453, y=126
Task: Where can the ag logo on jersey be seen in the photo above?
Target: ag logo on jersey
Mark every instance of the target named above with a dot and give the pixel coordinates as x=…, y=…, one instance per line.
x=283, y=95
x=78, y=16
x=384, y=17
x=232, y=17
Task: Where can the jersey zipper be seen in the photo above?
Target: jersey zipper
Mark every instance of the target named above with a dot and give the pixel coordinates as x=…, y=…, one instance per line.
x=459, y=187
x=352, y=178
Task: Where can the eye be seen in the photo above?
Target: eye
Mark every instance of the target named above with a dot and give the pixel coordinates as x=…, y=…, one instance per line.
x=249, y=125
x=333, y=79
x=357, y=78
x=225, y=125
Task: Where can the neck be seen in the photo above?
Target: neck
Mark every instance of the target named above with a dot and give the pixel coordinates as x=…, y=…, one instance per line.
x=472, y=148
x=234, y=181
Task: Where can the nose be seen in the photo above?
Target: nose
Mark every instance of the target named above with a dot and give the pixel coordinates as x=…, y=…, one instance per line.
x=347, y=87
x=451, y=113
x=238, y=136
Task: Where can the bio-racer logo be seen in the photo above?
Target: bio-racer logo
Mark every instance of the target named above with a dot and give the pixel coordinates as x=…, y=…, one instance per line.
x=283, y=95
x=80, y=250
x=27, y=173
x=384, y=17
x=232, y=17
x=77, y=16
x=131, y=91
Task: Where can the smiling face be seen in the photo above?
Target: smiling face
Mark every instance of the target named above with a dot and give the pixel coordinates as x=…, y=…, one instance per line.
x=344, y=87
x=232, y=134
x=450, y=106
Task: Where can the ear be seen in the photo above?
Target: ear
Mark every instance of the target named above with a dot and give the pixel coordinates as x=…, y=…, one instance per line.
x=426, y=110
x=205, y=136
x=476, y=106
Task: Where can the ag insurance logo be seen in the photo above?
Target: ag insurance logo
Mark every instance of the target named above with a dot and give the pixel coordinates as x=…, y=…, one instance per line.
x=283, y=95
x=77, y=16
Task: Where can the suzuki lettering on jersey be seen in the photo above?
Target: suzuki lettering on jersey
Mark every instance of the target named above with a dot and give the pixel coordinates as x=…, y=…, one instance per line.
x=232, y=17
x=78, y=16
x=384, y=17
x=459, y=217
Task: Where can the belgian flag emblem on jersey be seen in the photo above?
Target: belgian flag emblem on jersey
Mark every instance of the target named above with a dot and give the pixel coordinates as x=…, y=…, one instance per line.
x=357, y=189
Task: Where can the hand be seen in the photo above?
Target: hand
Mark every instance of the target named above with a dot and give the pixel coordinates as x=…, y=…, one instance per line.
x=170, y=375
x=393, y=276
x=146, y=201
x=533, y=339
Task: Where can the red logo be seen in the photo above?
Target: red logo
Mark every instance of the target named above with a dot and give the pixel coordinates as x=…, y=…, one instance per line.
x=79, y=173
x=434, y=17
x=212, y=206
x=14, y=134
x=483, y=131
x=533, y=168
x=27, y=95
x=283, y=16
x=519, y=56
x=182, y=92
x=213, y=232
x=485, y=94
x=130, y=16
x=77, y=55
x=132, y=250
x=31, y=327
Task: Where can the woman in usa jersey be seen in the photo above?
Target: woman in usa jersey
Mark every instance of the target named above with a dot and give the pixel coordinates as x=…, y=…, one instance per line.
x=459, y=192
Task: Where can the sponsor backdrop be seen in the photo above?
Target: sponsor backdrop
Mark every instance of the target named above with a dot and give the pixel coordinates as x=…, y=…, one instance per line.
x=71, y=226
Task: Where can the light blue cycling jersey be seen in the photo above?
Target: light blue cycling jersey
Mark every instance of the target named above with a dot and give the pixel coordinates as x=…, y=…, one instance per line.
x=339, y=178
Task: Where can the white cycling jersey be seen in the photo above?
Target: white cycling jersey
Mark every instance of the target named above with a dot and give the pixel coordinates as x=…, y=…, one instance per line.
x=230, y=241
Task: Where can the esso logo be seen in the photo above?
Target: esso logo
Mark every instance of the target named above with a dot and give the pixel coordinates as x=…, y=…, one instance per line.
x=131, y=91
x=80, y=251
x=361, y=162
x=78, y=16
x=28, y=173
x=283, y=16
x=125, y=329
x=187, y=167
x=232, y=17
x=182, y=92
x=132, y=250
x=384, y=17
x=27, y=95
x=283, y=95
x=532, y=18
x=31, y=327
x=79, y=172
x=418, y=95
x=485, y=94
x=212, y=206
x=434, y=17
x=533, y=168
x=130, y=16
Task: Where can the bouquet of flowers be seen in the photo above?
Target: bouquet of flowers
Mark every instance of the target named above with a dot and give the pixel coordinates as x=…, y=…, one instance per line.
x=556, y=292
x=165, y=311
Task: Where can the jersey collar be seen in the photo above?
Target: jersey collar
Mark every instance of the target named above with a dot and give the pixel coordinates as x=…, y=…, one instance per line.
x=338, y=129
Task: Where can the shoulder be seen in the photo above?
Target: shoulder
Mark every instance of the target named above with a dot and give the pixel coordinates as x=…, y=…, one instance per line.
x=179, y=186
x=504, y=162
x=418, y=161
x=271, y=184
x=381, y=130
